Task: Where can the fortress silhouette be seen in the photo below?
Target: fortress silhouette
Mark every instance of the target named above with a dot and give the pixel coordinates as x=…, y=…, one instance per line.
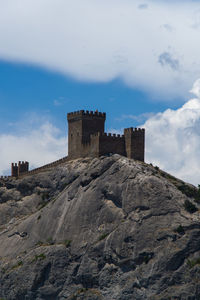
x=87, y=138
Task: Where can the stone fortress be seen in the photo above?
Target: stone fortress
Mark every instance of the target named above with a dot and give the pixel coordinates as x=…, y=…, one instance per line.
x=87, y=138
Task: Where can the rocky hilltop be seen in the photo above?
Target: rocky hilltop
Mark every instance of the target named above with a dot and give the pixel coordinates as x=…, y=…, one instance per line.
x=107, y=228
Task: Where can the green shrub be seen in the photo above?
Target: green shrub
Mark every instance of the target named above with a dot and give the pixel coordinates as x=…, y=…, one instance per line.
x=39, y=257
x=180, y=229
x=190, y=192
x=67, y=243
x=63, y=186
x=50, y=241
x=190, y=207
x=103, y=236
x=197, y=198
x=187, y=190
x=19, y=264
x=39, y=243
x=42, y=205
x=45, y=196
x=193, y=262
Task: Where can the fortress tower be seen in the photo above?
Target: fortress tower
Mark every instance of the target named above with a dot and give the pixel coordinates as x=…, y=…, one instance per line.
x=19, y=169
x=81, y=125
x=134, y=143
x=86, y=137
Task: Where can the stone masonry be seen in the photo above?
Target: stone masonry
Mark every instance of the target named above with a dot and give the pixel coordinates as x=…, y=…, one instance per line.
x=19, y=169
x=87, y=137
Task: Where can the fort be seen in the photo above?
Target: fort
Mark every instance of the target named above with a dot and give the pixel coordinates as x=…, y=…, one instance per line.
x=87, y=138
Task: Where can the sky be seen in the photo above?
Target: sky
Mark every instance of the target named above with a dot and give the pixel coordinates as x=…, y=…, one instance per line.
x=138, y=61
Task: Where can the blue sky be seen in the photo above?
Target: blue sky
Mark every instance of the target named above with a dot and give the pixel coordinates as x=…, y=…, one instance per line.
x=136, y=60
x=26, y=89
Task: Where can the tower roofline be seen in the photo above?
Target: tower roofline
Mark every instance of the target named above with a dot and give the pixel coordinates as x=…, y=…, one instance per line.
x=86, y=113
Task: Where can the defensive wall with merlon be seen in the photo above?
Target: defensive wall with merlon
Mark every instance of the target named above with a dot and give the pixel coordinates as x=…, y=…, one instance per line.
x=87, y=138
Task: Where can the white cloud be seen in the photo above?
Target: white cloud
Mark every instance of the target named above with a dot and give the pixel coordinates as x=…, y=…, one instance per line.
x=166, y=59
x=39, y=146
x=173, y=139
x=100, y=40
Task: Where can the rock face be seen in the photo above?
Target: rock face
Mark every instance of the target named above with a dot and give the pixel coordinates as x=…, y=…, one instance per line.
x=105, y=228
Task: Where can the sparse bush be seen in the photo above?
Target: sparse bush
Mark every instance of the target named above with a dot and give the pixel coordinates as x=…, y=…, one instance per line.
x=190, y=207
x=39, y=243
x=180, y=229
x=170, y=177
x=67, y=243
x=45, y=196
x=39, y=257
x=20, y=263
x=50, y=241
x=190, y=192
x=187, y=190
x=157, y=168
x=63, y=186
x=197, y=198
x=42, y=205
x=193, y=262
x=103, y=236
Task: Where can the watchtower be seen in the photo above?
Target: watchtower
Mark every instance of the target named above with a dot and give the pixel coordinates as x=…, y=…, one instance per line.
x=81, y=125
x=135, y=143
x=14, y=170
x=23, y=167
x=19, y=169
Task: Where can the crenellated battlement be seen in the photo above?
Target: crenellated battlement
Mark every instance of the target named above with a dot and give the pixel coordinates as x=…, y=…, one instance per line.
x=132, y=129
x=86, y=113
x=87, y=137
x=108, y=134
x=5, y=177
x=20, y=168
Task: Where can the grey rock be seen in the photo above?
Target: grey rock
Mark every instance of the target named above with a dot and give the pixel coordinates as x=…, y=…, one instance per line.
x=104, y=228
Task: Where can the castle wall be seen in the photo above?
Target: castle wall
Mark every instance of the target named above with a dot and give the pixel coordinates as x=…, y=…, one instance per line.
x=14, y=170
x=135, y=143
x=91, y=148
x=111, y=143
x=74, y=138
x=81, y=125
x=22, y=167
x=86, y=137
x=47, y=166
x=90, y=126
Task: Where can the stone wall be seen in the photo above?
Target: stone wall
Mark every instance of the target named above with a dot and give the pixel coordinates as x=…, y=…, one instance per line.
x=86, y=137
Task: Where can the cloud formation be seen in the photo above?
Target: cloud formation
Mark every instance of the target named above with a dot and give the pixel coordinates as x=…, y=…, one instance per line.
x=38, y=146
x=166, y=59
x=173, y=139
x=96, y=40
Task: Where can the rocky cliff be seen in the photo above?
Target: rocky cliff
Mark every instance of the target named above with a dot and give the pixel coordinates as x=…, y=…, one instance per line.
x=108, y=228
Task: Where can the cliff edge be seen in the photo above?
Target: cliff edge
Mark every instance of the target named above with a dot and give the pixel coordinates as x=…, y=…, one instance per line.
x=106, y=228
